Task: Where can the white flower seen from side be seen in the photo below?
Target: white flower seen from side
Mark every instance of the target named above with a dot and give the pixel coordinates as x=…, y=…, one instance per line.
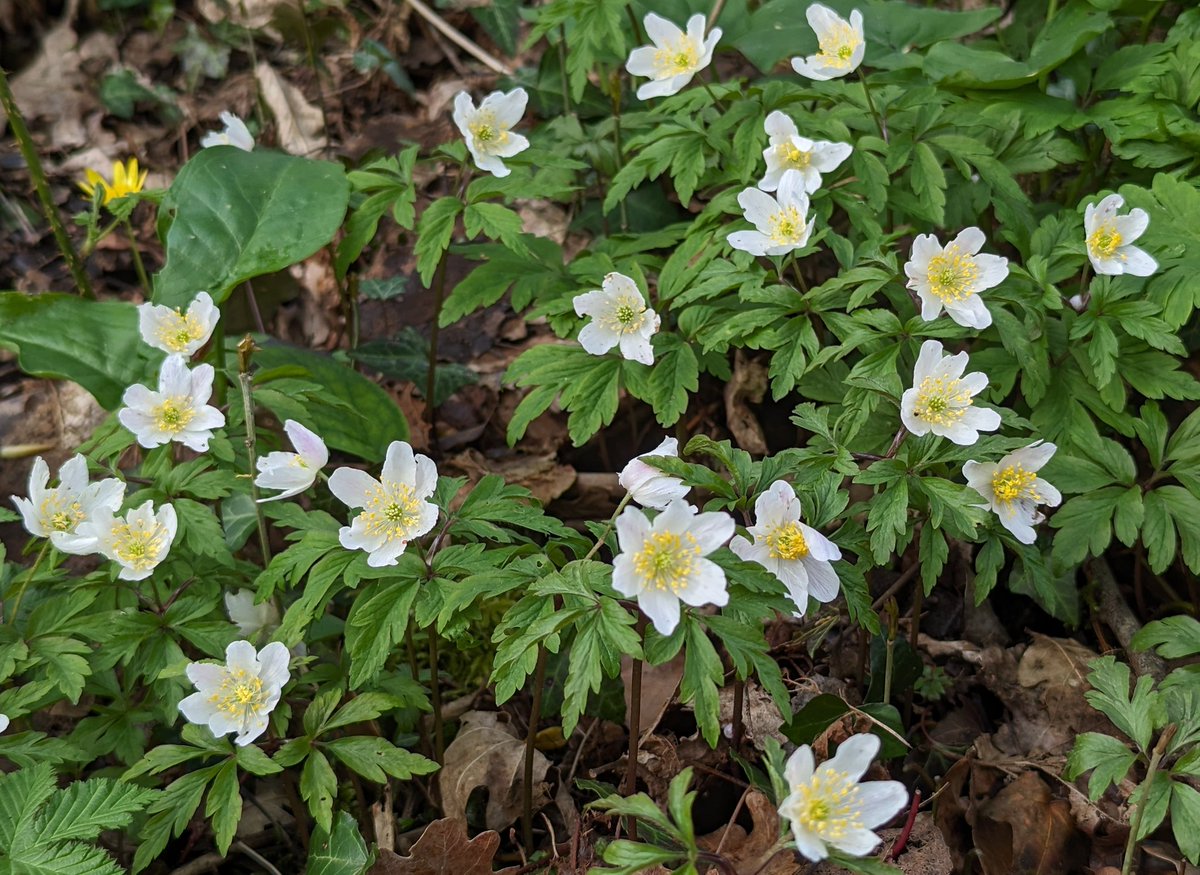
x=235, y=133
x=830, y=807
x=675, y=56
x=780, y=221
x=58, y=512
x=292, y=472
x=952, y=276
x=239, y=695
x=941, y=398
x=797, y=554
x=488, y=129
x=251, y=619
x=662, y=563
x=176, y=332
x=1013, y=490
x=178, y=411
x=394, y=507
x=787, y=150
x=620, y=318
x=1110, y=238
x=841, y=43
x=649, y=486
x=138, y=541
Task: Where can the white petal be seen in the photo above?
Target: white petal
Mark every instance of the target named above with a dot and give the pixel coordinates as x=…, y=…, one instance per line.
x=799, y=767
x=854, y=755
x=509, y=108
x=711, y=530
x=1137, y=262
x=749, y=241
x=661, y=31
x=931, y=304
x=927, y=361
x=823, y=581
x=399, y=466
x=596, y=339
x=758, y=207
x=706, y=585
x=969, y=240
x=1133, y=225
x=880, y=801
x=856, y=842
x=636, y=348
x=779, y=125
x=993, y=270
x=641, y=62
x=662, y=607
x=632, y=529
x=970, y=311
x=352, y=487
x=274, y=660
x=308, y=443
x=809, y=844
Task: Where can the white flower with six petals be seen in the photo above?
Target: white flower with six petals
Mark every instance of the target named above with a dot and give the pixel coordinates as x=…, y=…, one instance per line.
x=787, y=150
x=178, y=411
x=674, y=58
x=1013, y=490
x=239, y=695
x=941, y=398
x=662, y=563
x=176, y=332
x=394, y=509
x=952, y=276
x=797, y=554
x=829, y=806
x=292, y=472
x=138, y=541
x=620, y=318
x=57, y=513
x=842, y=44
x=780, y=221
x=1110, y=237
x=235, y=134
x=488, y=129
x=649, y=486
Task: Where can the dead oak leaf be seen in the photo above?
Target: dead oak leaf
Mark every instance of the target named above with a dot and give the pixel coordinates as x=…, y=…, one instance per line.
x=444, y=849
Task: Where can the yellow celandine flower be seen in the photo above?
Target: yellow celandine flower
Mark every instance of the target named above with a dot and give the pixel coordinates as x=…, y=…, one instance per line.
x=126, y=180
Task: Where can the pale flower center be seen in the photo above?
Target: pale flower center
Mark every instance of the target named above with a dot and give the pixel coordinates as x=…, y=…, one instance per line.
x=827, y=805
x=953, y=274
x=487, y=132
x=1014, y=482
x=671, y=60
x=667, y=560
x=941, y=401
x=838, y=45
x=174, y=414
x=138, y=545
x=177, y=331
x=60, y=516
x=791, y=155
x=393, y=510
x=626, y=315
x=1104, y=241
x=786, y=227
x=787, y=542
x=240, y=695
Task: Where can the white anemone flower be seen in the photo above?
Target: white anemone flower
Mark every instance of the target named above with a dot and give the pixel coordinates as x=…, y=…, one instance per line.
x=235, y=134
x=620, y=318
x=138, y=541
x=394, y=507
x=952, y=276
x=649, y=486
x=251, y=619
x=941, y=398
x=841, y=42
x=780, y=221
x=662, y=563
x=1110, y=238
x=829, y=806
x=787, y=150
x=292, y=472
x=797, y=554
x=57, y=513
x=488, y=129
x=178, y=411
x=239, y=695
x=1013, y=490
x=674, y=58
x=176, y=332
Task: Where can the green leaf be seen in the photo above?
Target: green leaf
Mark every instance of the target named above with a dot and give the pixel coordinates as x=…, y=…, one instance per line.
x=318, y=787
x=1108, y=756
x=254, y=761
x=434, y=230
x=378, y=619
x=1173, y=638
x=604, y=634
x=1185, y=819
x=702, y=675
x=94, y=343
x=341, y=853
x=496, y=222
x=375, y=758
x=1137, y=715
x=238, y=215
x=666, y=384
x=224, y=805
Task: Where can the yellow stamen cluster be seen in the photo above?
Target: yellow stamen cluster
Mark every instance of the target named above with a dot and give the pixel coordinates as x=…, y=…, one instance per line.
x=138, y=545
x=787, y=542
x=58, y=515
x=392, y=510
x=941, y=401
x=487, y=132
x=173, y=414
x=667, y=560
x=240, y=695
x=790, y=155
x=838, y=45
x=1013, y=483
x=679, y=58
x=827, y=805
x=179, y=330
x=953, y=274
x=786, y=227
x=626, y=315
x=1103, y=242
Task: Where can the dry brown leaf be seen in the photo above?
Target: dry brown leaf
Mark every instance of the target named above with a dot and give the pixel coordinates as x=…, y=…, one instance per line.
x=1056, y=662
x=487, y=753
x=443, y=849
x=659, y=683
x=300, y=127
x=540, y=473
x=749, y=383
x=761, y=717
x=1024, y=830
x=250, y=14
x=751, y=854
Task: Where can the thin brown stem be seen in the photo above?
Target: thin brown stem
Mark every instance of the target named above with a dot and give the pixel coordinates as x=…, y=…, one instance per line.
x=635, y=723
x=739, y=728
x=435, y=698
x=439, y=291
x=535, y=713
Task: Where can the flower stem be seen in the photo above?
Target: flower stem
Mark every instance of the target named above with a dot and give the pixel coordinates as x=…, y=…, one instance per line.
x=635, y=723
x=138, y=266
x=1136, y=824
x=612, y=521
x=535, y=713
x=245, y=351
x=16, y=605
x=435, y=698
x=871, y=106
x=29, y=152
x=439, y=291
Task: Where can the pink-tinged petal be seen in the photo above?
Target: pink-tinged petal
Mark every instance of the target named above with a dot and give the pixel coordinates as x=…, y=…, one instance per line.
x=969, y=240
x=1137, y=262
x=399, y=466
x=660, y=30
x=662, y=608
x=308, y=443
x=632, y=529
x=799, y=767
x=353, y=487
x=854, y=755
x=596, y=339
x=706, y=586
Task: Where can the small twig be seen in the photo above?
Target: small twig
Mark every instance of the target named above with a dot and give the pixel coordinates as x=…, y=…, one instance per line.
x=256, y=857
x=471, y=48
x=905, y=576
x=1116, y=614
